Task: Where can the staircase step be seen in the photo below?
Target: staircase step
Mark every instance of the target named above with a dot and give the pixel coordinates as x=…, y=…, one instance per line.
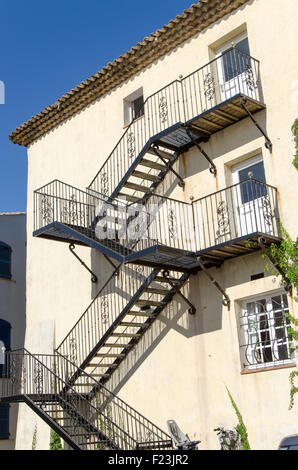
x=140, y=313
x=153, y=290
x=173, y=280
x=100, y=375
x=126, y=335
x=165, y=155
x=79, y=384
x=137, y=187
x=135, y=325
x=109, y=355
x=128, y=197
x=103, y=365
x=154, y=303
x=117, y=345
x=150, y=164
x=145, y=176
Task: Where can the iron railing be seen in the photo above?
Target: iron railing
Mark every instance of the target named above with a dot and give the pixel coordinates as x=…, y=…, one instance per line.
x=42, y=379
x=103, y=311
x=245, y=208
x=229, y=75
x=143, y=431
x=106, y=419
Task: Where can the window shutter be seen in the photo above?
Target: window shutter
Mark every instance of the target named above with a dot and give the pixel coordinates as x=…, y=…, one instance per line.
x=5, y=260
x=4, y=421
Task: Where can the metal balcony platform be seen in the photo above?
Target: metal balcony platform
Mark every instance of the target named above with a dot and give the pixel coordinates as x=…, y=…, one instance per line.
x=162, y=256
x=225, y=114
x=82, y=236
x=207, y=123
x=218, y=254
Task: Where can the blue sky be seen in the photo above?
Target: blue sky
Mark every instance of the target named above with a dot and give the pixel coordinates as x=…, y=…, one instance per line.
x=47, y=47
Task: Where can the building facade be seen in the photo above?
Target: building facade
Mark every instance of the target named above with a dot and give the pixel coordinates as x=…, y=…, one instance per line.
x=186, y=140
x=12, y=308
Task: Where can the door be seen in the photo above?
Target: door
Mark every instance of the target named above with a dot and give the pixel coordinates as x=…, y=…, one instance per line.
x=251, y=201
x=235, y=71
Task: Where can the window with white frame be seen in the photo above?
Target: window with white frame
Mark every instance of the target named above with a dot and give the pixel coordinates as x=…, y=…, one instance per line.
x=265, y=336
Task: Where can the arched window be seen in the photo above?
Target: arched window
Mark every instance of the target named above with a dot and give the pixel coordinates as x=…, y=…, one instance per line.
x=5, y=329
x=5, y=260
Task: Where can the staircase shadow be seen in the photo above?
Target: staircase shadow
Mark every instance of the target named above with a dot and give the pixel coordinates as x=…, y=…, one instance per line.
x=174, y=317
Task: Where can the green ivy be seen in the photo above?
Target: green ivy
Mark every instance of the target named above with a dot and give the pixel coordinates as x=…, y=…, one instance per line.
x=295, y=134
x=34, y=438
x=240, y=428
x=55, y=442
x=285, y=255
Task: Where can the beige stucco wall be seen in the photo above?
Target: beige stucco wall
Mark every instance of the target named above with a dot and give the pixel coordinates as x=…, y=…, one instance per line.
x=194, y=358
x=13, y=298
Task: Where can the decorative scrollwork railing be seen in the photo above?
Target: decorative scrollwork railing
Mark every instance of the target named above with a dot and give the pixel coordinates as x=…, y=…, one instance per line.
x=179, y=101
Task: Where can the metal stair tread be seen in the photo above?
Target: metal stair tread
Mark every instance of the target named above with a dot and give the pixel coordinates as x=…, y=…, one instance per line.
x=145, y=176
x=125, y=335
x=137, y=187
x=128, y=197
x=154, y=303
x=109, y=355
x=151, y=164
x=163, y=153
x=154, y=290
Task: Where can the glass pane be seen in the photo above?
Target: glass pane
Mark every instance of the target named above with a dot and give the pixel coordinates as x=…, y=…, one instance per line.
x=243, y=46
x=235, y=64
x=137, y=107
x=250, y=190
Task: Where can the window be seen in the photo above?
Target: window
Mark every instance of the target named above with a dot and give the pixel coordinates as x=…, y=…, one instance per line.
x=249, y=192
x=4, y=407
x=236, y=72
x=5, y=260
x=232, y=64
x=4, y=343
x=133, y=106
x=265, y=338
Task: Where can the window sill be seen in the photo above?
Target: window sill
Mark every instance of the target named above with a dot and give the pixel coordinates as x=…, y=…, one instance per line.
x=7, y=279
x=264, y=369
x=138, y=119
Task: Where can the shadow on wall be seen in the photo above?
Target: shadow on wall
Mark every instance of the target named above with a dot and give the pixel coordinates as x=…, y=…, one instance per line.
x=228, y=140
x=174, y=317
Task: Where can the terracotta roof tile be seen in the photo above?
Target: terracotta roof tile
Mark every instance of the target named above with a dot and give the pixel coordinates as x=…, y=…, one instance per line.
x=178, y=30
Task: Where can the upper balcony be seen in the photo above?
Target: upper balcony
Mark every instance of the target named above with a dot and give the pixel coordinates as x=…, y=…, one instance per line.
x=183, y=113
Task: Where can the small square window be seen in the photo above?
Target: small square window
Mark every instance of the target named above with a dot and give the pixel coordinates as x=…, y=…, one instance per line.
x=133, y=106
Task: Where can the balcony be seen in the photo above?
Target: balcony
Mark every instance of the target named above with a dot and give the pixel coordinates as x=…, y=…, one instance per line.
x=182, y=114
x=159, y=231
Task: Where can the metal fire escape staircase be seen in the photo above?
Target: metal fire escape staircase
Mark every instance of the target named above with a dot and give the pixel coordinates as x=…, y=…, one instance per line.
x=149, y=271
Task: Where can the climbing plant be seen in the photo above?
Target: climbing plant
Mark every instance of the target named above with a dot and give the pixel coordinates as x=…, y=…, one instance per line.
x=295, y=134
x=240, y=428
x=285, y=255
x=34, y=438
x=55, y=442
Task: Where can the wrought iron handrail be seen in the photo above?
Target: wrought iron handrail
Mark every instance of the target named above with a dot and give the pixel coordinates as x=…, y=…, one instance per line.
x=115, y=407
x=102, y=312
x=38, y=377
x=179, y=101
x=249, y=206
